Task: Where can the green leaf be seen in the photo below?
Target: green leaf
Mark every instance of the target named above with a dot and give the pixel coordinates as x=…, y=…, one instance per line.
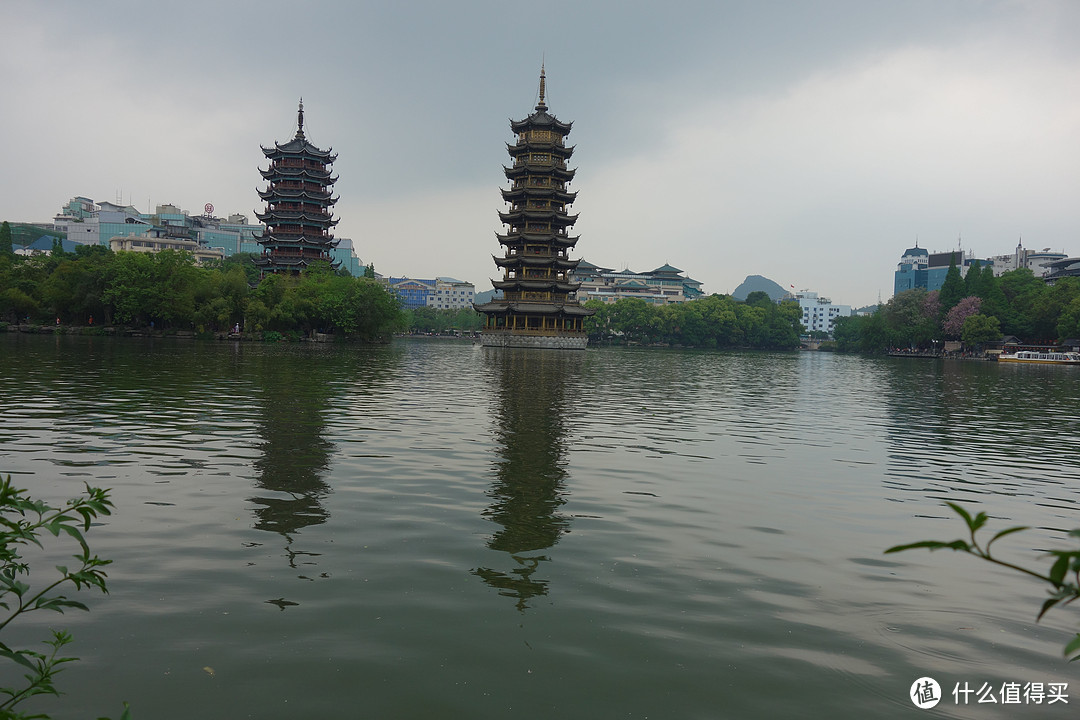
x=931, y=545
x=978, y=522
x=1072, y=650
x=18, y=656
x=74, y=532
x=964, y=514
x=1008, y=531
x=1059, y=568
x=1051, y=602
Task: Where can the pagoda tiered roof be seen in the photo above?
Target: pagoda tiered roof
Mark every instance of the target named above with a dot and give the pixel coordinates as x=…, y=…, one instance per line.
x=276, y=217
x=518, y=238
x=278, y=194
x=525, y=307
x=562, y=174
x=279, y=172
x=299, y=147
x=540, y=192
x=540, y=146
x=535, y=284
x=555, y=217
x=531, y=261
x=541, y=119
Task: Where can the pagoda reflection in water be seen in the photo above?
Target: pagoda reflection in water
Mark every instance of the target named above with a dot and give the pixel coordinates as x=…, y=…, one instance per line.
x=530, y=474
x=295, y=454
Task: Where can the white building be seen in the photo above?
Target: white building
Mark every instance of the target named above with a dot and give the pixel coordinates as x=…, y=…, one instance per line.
x=451, y=294
x=819, y=313
x=1038, y=261
x=154, y=241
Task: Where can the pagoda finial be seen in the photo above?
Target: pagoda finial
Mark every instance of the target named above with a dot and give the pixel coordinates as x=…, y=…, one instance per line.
x=300, y=121
x=540, y=105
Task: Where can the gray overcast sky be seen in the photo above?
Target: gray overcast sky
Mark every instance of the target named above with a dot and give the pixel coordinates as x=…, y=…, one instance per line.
x=810, y=142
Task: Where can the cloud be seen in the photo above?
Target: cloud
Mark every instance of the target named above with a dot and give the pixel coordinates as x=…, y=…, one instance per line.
x=837, y=173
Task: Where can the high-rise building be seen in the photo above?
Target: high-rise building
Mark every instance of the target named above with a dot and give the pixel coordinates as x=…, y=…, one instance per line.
x=298, y=201
x=538, y=307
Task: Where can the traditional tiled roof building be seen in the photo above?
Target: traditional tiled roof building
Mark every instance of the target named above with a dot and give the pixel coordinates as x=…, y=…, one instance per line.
x=298, y=201
x=538, y=307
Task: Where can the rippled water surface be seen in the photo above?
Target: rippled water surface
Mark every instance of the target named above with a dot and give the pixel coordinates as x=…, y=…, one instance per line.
x=433, y=529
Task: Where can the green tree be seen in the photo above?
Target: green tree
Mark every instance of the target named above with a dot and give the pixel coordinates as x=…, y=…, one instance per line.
x=246, y=262
x=759, y=298
x=598, y=325
x=980, y=329
x=910, y=319
x=1024, y=295
x=6, y=246
x=952, y=290
x=634, y=319
x=369, y=271
x=973, y=279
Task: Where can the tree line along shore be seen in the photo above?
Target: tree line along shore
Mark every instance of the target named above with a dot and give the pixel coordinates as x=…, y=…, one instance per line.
x=94, y=288
x=976, y=309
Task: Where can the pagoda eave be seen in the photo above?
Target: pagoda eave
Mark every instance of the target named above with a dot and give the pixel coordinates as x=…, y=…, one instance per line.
x=560, y=174
x=517, y=238
x=502, y=307
x=539, y=193
x=541, y=120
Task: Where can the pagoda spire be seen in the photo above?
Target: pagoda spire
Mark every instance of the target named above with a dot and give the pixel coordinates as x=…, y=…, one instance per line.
x=300, y=121
x=541, y=106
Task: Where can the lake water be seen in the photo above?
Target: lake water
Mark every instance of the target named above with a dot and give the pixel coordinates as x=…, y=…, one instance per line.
x=433, y=529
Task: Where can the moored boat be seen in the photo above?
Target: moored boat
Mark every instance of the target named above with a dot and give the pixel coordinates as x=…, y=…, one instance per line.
x=1044, y=358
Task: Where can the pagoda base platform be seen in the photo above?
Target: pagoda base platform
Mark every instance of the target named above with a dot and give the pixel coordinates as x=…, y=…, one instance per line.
x=561, y=341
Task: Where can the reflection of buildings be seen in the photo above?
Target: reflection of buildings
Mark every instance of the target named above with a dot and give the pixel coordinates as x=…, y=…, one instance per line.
x=529, y=486
x=295, y=456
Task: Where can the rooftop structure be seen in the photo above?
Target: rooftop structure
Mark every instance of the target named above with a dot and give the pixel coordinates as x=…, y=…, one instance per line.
x=298, y=201
x=538, y=307
x=664, y=285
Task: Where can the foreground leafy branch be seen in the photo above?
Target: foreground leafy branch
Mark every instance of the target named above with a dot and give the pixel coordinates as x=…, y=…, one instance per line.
x=1063, y=576
x=22, y=521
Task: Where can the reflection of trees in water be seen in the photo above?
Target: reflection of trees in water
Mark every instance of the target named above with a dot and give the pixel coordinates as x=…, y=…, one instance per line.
x=295, y=455
x=966, y=427
x=529, y=486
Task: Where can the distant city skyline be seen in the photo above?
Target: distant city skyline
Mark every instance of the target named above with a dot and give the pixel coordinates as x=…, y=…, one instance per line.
x=810, y=143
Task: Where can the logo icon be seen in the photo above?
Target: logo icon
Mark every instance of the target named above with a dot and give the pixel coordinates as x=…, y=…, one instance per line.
x=925, y=693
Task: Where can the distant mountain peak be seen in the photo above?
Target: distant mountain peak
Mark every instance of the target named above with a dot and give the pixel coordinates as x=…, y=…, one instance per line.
x=756, y=283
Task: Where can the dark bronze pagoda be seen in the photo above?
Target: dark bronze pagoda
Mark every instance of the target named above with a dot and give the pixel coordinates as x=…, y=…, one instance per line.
x=538, y=307
x=298, y=201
